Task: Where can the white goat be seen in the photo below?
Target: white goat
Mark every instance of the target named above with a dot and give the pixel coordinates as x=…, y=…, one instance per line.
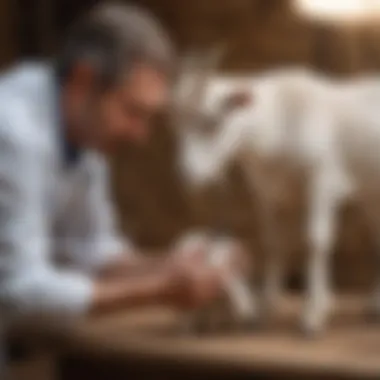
x=237, y=306
x=327, y=130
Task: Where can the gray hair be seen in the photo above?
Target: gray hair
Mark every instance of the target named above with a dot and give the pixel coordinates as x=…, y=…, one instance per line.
x=113, y=37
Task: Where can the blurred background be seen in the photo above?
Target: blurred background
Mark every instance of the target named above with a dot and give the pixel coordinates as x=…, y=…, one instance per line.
x=261, y=34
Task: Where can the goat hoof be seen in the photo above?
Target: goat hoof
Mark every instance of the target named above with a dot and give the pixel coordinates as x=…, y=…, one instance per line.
x=315, y=317
x=312, y=325
x=310, y=333
x=311, y=329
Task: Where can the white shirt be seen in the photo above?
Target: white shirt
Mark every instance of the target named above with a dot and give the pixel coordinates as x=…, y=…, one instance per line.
x=46, y=208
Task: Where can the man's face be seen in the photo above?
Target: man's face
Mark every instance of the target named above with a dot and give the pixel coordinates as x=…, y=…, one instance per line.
x=123, y=113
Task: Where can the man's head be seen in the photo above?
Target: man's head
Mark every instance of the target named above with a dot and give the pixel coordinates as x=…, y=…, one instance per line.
x=114, y=69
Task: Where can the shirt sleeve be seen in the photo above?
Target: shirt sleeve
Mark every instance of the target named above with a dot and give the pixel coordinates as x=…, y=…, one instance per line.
x=29, y=283
x=91, y=238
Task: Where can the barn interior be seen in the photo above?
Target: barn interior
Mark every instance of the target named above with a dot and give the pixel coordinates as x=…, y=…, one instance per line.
x=337, y=38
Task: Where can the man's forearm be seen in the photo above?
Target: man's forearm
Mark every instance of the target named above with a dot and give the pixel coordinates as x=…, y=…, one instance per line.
x=116, y=293
x=138, y=264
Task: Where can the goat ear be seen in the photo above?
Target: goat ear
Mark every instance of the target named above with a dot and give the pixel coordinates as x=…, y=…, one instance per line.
x=237, y=99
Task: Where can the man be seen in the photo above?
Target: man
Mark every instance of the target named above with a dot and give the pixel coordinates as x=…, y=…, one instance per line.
x=56, y=121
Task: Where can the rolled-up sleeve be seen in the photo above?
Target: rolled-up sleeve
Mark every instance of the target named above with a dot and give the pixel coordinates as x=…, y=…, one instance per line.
x=29, y=283
x=91, y=237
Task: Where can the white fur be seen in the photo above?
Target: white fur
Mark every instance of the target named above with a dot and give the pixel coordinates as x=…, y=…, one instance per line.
x=329, y=130
x=218, y=251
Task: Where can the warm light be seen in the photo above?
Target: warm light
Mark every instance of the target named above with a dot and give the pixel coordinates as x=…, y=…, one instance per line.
x=345, y=10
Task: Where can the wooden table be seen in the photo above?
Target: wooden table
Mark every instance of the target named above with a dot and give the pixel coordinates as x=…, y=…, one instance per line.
x=142, y=345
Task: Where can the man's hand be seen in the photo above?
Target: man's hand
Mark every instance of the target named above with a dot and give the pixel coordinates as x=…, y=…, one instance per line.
x=204, y=265
x=181, y=284
x=185, y=279
x=231, y=256
x=227, y=253
x=193, y=284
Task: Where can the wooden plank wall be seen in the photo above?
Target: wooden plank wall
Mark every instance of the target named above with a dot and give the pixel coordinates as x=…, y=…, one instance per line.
x=8, y=50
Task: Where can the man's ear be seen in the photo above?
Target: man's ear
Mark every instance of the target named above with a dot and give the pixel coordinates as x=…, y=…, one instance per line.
x=237, y=99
